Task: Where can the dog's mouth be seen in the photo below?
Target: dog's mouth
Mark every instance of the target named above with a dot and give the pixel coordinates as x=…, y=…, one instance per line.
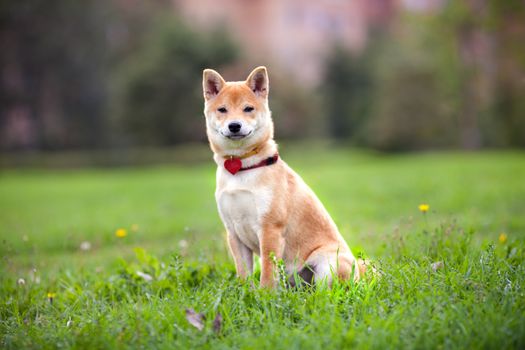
x=236, y=137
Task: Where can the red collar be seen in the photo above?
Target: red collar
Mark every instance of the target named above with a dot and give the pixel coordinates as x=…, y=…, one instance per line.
x=234, y=165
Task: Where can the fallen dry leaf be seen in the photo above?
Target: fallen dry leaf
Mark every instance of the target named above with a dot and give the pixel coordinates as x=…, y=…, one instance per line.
x=217, y=323
x=437, y=265
x=196, y=319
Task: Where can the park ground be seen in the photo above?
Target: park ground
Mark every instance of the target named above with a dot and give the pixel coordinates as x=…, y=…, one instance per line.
x=114, y=257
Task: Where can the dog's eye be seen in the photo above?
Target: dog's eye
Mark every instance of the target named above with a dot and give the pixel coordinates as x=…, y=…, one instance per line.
x=222, y=110
x=248, y=109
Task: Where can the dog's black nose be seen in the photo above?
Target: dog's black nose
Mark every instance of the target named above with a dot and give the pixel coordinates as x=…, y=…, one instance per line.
x=234, y=127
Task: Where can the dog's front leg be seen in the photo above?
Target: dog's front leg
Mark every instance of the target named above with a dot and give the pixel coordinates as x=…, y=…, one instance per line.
x=272, y=244
x=242, y=255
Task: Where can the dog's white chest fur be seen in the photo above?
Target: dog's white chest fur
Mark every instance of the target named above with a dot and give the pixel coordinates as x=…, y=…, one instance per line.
x=242, y=204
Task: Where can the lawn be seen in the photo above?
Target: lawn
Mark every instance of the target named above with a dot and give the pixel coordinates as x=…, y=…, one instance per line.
x=453, y=277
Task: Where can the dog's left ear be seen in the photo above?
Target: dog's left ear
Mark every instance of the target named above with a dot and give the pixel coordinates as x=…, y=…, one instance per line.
x=258, y=82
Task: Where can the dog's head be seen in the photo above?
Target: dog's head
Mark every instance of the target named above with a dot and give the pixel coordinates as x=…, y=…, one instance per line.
x=237, y=113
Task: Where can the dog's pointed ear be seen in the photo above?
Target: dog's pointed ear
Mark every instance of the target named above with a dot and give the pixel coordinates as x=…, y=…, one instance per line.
x=258, y=82
x=212, y=83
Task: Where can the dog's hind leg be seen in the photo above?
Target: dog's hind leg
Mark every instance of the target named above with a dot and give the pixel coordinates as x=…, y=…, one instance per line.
x=329, y=264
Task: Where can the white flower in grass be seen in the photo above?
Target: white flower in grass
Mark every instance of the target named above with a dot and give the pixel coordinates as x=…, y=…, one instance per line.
x=33, y=276
x=145, y=276
x=85, y=246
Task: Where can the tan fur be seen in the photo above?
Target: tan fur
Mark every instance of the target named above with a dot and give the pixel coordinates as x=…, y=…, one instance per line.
x=268, y=211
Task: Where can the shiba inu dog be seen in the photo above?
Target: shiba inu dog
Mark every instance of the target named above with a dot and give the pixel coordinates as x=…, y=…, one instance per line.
x=266, y=207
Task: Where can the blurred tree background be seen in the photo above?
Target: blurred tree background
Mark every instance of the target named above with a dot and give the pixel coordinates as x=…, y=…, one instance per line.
x=453, y=79
x=158, y=100
x=126, y=73
x=93, y=75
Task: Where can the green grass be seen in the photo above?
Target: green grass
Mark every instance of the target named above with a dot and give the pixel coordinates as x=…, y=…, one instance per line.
x=475, y=300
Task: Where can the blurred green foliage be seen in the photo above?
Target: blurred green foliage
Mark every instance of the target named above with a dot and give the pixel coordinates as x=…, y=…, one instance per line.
x=99, y=74
x=53, y=58
x=159, y=95
x=450, y=79
x=348, y=94
x=416, y=100
x=296, y=109
x=506, y=20
x=102, y=74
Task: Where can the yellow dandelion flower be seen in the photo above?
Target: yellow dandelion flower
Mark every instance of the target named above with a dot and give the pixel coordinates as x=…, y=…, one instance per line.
x=121, y=233
x=134, y=227
x=424, y=208
x=51, y=296
x=502, y=238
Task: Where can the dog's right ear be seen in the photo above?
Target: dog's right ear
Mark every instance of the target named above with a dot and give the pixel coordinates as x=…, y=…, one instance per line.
x=212, y=83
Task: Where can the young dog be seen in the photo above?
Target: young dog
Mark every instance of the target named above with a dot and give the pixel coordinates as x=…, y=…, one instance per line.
x=265, y=206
